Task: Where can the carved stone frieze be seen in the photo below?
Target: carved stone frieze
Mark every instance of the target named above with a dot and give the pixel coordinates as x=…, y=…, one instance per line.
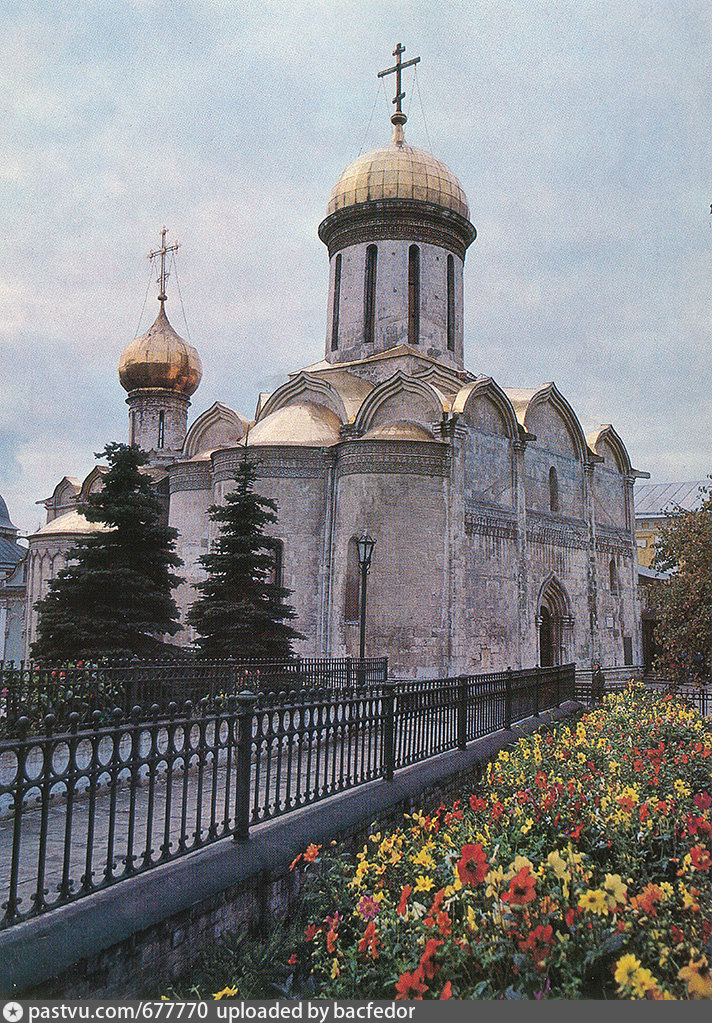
x=393, y=457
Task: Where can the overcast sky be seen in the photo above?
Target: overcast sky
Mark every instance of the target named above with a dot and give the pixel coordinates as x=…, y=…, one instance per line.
x=580, y=132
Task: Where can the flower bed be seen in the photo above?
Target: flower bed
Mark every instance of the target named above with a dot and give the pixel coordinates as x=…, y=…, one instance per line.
x=581, y=869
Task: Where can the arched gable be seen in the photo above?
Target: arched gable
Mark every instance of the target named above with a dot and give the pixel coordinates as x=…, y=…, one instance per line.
x=551, y=419
x=306, y=389
x=485, y=405
x=217, y=427
x=92, y=484
x=441, y=377
x=552, y=593
x=66, y=492
x=401, y=397
x=607, y=443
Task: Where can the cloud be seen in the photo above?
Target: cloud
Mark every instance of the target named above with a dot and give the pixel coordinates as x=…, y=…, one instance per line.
x=580, y=133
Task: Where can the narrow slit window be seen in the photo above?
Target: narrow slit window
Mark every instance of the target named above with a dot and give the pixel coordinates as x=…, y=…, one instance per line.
x=132, y=425
x=613, y=575
x=274, y=575
x=553, y=491
x=369, y=303
x=337, y=297
x=450, y=304
x=161, y=428
x=413, y=295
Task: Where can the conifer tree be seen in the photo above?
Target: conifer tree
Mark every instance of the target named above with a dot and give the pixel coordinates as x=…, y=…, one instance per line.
x=114, y=597
x=241, y=612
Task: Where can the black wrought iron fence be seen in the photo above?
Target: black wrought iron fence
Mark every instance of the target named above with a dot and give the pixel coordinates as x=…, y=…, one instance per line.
x=34, y=690
x=84, y=808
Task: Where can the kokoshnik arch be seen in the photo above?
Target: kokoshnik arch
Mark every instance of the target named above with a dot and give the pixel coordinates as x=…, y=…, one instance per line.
x=505, y=535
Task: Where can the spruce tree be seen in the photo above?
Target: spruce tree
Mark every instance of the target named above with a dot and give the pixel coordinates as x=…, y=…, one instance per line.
x=240, y=612
x=114, y=597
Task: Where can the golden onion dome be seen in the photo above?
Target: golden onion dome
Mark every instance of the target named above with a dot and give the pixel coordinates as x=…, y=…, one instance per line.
x=398, y=171
x=160, y=358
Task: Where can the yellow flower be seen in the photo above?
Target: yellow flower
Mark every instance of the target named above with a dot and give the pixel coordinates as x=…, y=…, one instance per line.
x=697, y=976
x=423, y=883
x=335, y=969
x=558, y=865
x=615, y=890
x=471, y=919
x=424, y=859
x=594, y=901
x=642, y=981
x=527, y=826
x=227, y=992
x=625, y=968
x=494, y=881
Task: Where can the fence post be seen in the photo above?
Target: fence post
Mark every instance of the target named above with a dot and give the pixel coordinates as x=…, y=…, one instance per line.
x=462, y=712
x=245, y=714
x=388, y=733
x=508, y=701
x=537, y=682
x=349, y=672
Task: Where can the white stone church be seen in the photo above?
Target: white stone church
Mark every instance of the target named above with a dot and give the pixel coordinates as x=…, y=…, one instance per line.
x=504, y=535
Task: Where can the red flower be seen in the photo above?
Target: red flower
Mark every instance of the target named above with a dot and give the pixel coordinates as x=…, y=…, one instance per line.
x=369, y=941
x=570, y=917
x=700, y=857
x=428, y=966
x=576, y=832
x=477, y=804
x=473, y=866
x=292, y=959
x=522, y=888
x=539, y=944
x=496, y=811
x=446, y=991
x=695, y=824
x=311, y=932
x=410, y=985
x=444, y=924
x=406, y=892
x=331, y=939
x=702, y=801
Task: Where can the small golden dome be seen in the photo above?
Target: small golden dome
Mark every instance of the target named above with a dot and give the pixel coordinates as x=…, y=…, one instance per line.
x=398, y=171
x=304, y=424
x=160, y=358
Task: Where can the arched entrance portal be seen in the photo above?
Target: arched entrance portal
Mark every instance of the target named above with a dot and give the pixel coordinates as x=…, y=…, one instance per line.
x=545, y=647
x=554, y=623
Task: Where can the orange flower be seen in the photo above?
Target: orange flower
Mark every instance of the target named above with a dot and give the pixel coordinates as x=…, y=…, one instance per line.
x=295, y=861
x=700, y=858
x=473, y=866
x=369, y=941
x=312, y=852
x=647, y=899
x=406, y=892
x=331, y=939
x=411, y=986
x=522, y=888
x=427, y=964
x=446, y=991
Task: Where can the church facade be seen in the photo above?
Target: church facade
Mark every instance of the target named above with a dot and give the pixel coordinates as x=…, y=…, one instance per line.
x=504, y=534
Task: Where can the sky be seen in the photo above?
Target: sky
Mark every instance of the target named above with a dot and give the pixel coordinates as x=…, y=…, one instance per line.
x=580, y=132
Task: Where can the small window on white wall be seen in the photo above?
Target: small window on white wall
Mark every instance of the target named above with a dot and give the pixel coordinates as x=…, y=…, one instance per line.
x=553, y=491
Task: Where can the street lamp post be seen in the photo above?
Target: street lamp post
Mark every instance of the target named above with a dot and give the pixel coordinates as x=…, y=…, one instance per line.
x=366, y=544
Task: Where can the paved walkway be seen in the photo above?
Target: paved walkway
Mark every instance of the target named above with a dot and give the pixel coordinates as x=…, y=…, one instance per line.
x=101, y=838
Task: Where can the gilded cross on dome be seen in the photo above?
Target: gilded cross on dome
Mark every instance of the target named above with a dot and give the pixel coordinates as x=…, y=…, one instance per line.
x=163, y=252
x=398, y=117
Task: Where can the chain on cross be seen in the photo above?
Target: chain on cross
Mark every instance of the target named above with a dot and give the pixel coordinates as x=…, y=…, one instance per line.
x=163, y=252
